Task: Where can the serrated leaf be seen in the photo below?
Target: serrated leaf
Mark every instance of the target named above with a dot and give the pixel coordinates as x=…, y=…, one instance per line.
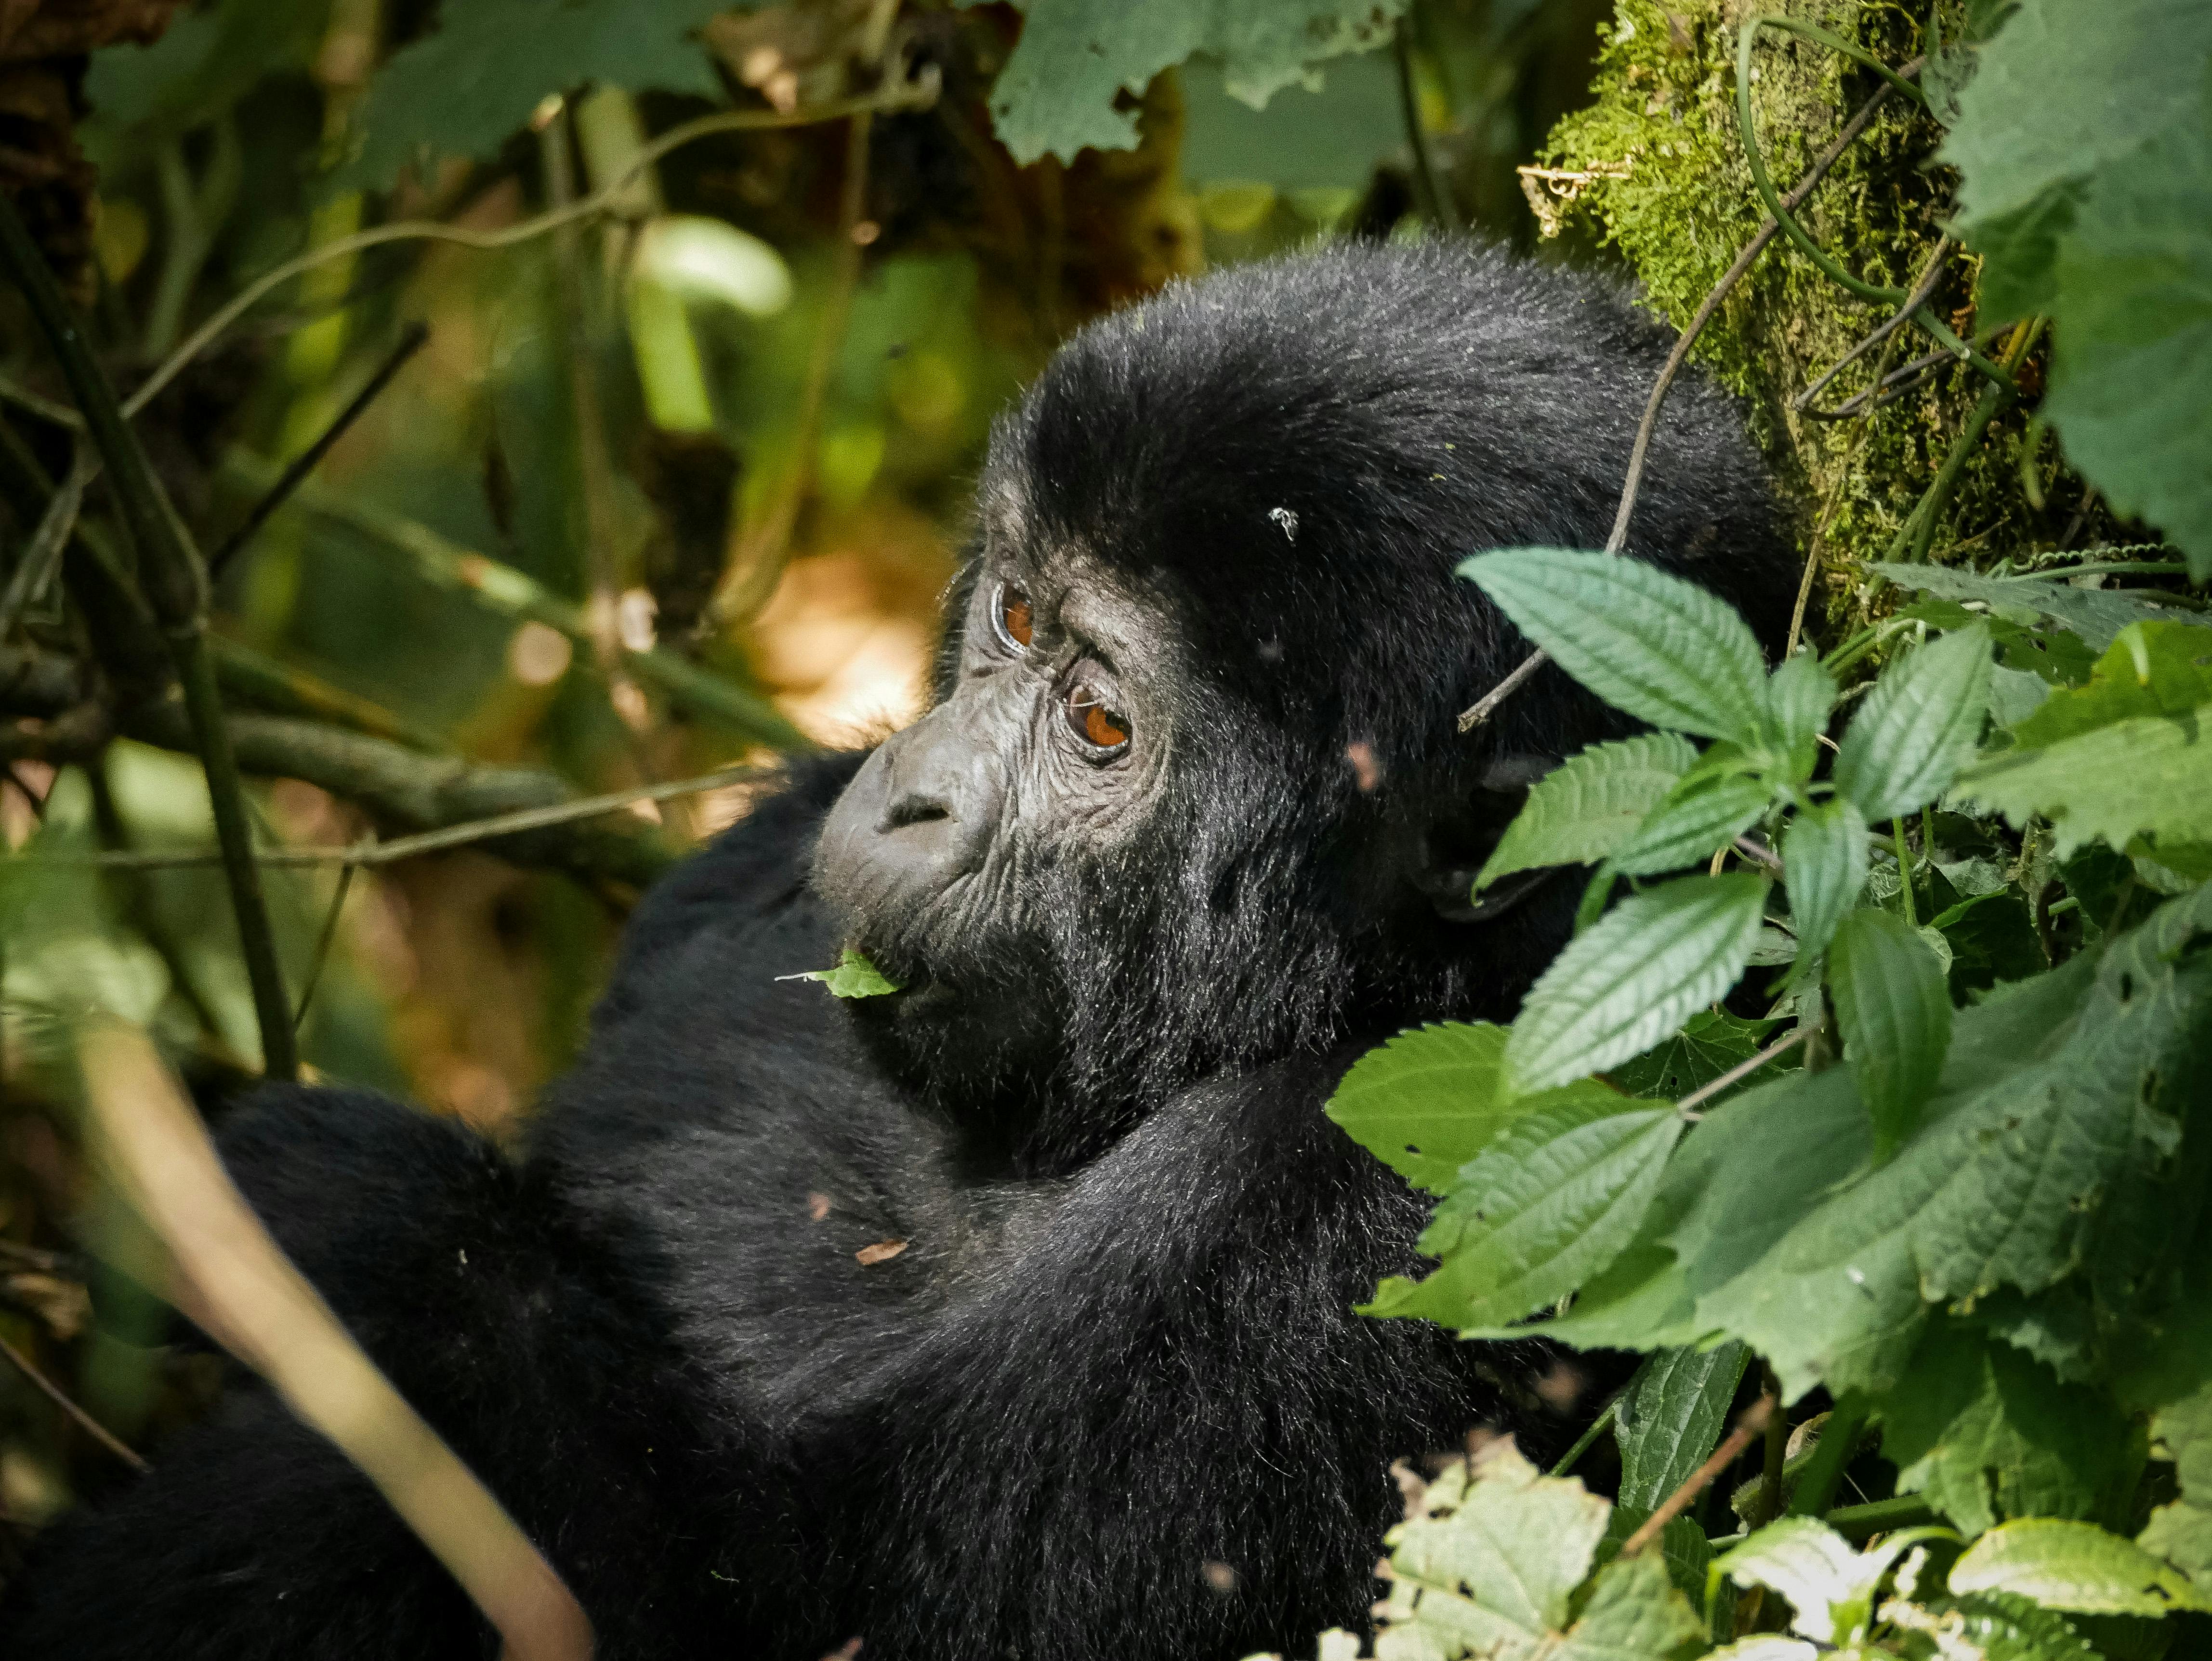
x=1591, y=803
x=461, y=90
x=1669, y=1418
x=2064, y=1565
x=1545, y=1206
x=1698, y=818
x=1430, y=1101
x=2008, y=1628
x=1629, y=980
x=2094, y=614
x=1919, y=727
x=1986, y=1433
x=1765, y=1646
x=2063, y=92
x=2059, y=1093
x=854, y=976
x=2150, y=777
x=1057, y=92
x=1895, y=1012
x=1664, y=650
x=2132, y=364
x=1824, y=870
x=1800, y=694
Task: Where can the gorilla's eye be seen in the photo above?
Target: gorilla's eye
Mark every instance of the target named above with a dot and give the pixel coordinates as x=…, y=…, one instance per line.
x=1011, y=617
x=1093, y=720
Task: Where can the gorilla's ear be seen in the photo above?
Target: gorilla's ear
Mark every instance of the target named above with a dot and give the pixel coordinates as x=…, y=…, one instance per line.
x=1459, y=841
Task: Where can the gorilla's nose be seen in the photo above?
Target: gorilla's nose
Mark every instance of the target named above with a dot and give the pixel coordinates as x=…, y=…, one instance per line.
x=919, y=813
x=940, y=793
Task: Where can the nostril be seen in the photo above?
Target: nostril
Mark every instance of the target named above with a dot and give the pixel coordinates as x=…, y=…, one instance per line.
x=914, y=810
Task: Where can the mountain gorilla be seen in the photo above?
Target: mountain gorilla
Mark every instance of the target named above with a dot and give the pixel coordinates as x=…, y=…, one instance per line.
x=1009, y=1315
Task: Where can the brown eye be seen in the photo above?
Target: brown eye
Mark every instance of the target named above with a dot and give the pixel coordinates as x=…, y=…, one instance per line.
x=1011, y=617
x=1095, y=721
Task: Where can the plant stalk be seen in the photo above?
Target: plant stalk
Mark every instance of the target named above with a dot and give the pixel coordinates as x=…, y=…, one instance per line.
x=175, y=586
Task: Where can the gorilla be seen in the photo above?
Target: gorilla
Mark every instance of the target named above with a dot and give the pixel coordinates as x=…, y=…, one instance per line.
x=1009, y=1314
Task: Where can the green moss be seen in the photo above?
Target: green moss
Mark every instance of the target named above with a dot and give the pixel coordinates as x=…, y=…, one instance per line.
x=1665, y=181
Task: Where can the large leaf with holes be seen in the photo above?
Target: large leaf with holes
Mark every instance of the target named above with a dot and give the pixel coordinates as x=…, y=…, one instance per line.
x=1665, y=650
x=1057, y=92
x=461, y=90
x=2181, y=1531
x=2148, y=776
x=1492, y=1568
x=1591, y=804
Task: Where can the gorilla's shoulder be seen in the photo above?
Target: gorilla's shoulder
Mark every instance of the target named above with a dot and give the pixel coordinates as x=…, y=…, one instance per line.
x=746, y=888
x=352, y=1183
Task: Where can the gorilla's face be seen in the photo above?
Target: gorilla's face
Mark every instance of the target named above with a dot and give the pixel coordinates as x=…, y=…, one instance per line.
x=994, y=857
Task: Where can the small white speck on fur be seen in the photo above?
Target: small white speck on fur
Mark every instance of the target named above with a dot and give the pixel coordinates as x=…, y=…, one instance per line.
x=1288, y=519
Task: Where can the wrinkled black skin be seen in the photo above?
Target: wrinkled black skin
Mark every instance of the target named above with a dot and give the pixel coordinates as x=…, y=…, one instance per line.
x=1119, y=1346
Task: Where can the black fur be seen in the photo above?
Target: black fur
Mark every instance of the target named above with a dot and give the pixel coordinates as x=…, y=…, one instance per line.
x=1118, y=1347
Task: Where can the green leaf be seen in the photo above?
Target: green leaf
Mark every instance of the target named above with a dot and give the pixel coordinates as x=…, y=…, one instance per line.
x=1895, y=1012
x=854, y=976
x=2149, y=669
x=1058, y=89
x=1992, y=939
x=2095, y=614
x=1824, y=870
x=2057, y=1103
x=1698, y=818
x=1917, y=727
x=1548, y=1204
x=1591, y=804
x=206, y=59
x=2065, y=92
x=1626, y=983
x=1665, y=650
x=1670, y=1417
x=2065, y=1565
x=1987, y=1433
x=2181, y=1532
x=2149, y=776
x=1829, y=1586
x=2005, y=1627
x=1430, y=1101
x=1710, y=1042
x=2131, y=366
x=1801, y=696
x=462, y=89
